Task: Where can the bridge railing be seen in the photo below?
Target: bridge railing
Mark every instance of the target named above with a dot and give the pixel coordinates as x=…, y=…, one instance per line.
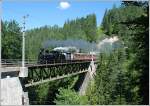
x=16, y=62
x=32, y=62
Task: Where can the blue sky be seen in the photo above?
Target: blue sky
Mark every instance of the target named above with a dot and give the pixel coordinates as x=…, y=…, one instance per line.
x=54, y=12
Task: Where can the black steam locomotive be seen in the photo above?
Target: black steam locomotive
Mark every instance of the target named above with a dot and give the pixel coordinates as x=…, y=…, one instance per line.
x=53, y=56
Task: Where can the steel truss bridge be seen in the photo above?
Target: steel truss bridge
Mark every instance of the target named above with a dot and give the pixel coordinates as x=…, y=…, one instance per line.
x=40, y=73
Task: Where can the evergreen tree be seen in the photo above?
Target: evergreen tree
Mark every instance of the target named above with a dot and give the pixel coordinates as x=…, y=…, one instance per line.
x=11, y=40
x=140, y=39
x=131, y=26
x=69, y=97
x=109, y=80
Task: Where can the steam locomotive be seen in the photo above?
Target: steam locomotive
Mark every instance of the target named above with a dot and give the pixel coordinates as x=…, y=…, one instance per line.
x=62, y=55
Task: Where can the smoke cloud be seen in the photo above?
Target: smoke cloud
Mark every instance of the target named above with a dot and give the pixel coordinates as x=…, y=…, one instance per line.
x=80, y=44
x=107, y=44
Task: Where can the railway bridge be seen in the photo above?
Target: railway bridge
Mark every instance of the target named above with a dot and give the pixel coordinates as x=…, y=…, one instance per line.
x=34, y=74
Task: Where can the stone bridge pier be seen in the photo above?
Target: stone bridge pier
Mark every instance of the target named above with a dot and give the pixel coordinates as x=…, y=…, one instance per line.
x=85, y=78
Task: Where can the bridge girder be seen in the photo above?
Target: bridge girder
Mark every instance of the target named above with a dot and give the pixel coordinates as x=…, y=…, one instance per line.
x=37, y=75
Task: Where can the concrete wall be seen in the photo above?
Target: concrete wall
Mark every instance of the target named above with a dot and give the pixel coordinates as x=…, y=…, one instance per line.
x=11, y=91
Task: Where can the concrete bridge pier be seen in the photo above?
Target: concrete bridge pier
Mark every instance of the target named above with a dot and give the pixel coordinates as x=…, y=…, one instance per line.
x=86, y=78
x=12, y=92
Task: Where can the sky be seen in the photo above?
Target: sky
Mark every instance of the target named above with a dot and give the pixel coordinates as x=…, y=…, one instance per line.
x=53, y=12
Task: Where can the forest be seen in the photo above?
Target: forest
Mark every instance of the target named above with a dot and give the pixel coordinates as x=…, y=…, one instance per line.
x=122, y=76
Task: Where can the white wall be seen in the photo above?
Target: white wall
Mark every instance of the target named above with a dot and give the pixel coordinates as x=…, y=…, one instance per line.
x=11, y=91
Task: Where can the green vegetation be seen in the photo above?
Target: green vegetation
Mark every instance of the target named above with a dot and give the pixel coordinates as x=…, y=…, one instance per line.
x=11, y=40
x=68, y=96
x=112, y=85
x=124, y=81
x=46, y=93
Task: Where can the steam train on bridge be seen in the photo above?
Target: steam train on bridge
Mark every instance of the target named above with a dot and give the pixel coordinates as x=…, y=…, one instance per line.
x=63, y=54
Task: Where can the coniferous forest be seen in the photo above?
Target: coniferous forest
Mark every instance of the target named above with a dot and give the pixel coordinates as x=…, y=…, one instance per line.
x=122, y=76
